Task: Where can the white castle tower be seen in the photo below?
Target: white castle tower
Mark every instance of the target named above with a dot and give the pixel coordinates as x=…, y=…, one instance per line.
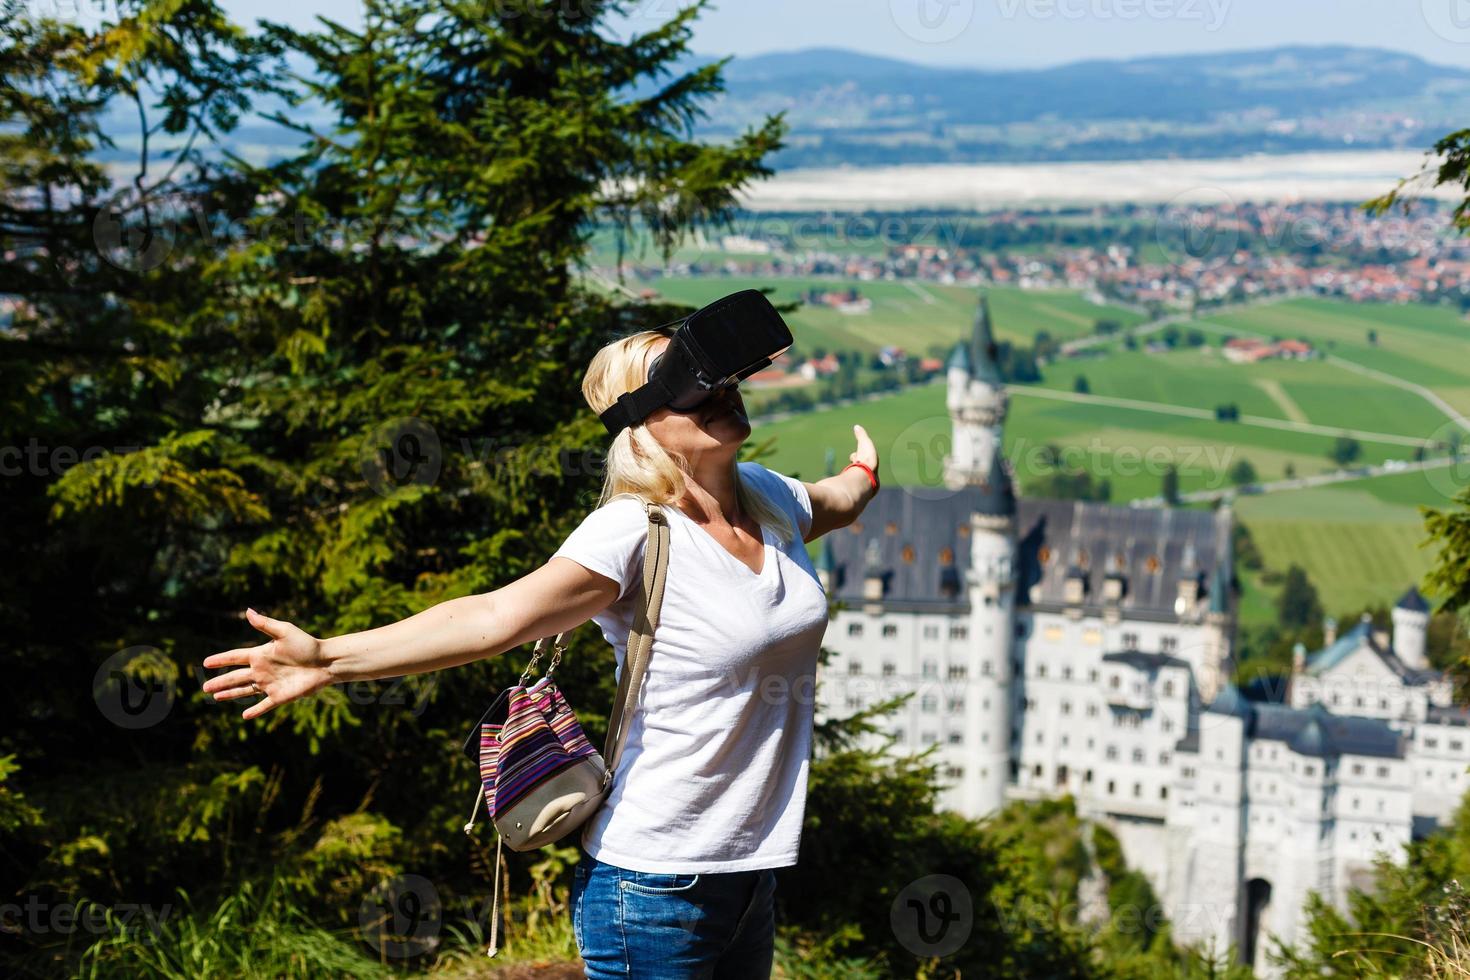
x=976, y=400
x=1410, y=624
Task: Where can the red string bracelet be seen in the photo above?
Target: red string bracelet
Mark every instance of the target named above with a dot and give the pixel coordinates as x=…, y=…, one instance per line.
x=872, y=477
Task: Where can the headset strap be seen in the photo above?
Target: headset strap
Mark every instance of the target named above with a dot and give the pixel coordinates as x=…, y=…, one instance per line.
x=634, y=406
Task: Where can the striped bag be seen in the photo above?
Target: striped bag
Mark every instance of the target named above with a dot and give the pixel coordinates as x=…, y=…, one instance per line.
x=540, y=777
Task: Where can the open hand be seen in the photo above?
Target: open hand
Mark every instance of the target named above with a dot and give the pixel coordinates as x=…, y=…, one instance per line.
x=290, y=665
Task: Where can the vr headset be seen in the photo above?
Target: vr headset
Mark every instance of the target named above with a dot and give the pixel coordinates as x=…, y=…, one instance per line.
x=713, y=348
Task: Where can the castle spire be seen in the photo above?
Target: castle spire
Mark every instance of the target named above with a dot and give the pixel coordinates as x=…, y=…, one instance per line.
x=984, y=365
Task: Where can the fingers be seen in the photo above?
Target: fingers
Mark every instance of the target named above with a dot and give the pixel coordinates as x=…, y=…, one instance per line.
x=258, y=708
x=866, y=452
x=248, y=691
x=233, y=658
x=271, y=627
x=234, y=678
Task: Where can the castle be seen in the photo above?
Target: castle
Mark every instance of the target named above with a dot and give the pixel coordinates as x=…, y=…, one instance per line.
x=1066, y=647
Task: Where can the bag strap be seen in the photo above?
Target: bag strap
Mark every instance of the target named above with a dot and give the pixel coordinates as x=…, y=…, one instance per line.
x=640, y=636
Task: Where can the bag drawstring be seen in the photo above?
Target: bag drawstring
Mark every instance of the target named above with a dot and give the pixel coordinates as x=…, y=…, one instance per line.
x=495, y=893
x=476, y=811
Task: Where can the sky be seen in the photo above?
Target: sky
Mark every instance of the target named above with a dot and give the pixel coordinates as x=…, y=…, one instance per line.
x=1019, y=33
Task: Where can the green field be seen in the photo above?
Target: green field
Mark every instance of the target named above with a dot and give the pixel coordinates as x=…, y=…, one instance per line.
x=1360, y=542
x=1316, y=391
x=1426, y=345
x=918, y=317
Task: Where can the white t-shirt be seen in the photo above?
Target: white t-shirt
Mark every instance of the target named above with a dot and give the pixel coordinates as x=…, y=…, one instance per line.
x=714, y=770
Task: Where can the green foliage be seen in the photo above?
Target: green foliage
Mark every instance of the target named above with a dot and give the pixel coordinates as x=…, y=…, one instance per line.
x=1298, y=606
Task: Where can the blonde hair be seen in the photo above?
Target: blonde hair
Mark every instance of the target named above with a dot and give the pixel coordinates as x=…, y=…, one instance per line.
x=636, y=462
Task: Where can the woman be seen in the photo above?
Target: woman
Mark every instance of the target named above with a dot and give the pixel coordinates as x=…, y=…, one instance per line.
x=677, y=876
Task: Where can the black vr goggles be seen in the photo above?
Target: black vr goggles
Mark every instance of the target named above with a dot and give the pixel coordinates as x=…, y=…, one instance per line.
x=712, y=348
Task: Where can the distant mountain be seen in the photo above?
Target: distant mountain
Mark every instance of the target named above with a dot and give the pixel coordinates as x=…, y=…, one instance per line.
x=847, y=107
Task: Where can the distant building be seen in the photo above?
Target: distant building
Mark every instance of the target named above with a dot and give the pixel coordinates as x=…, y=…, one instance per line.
x=1248, y=350
x=1065, y=647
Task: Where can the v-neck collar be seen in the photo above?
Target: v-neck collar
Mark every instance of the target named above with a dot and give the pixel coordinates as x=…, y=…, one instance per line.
x=768, y=557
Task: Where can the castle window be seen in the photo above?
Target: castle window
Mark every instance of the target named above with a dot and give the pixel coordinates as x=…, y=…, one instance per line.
x=1087, y=776
x=890, y=528
x=956, y=704
x=931, y=632
x=1357, y=769
x=854, y=702
x=1164, y=758
x=928, y=738
x=1455, y=745
x=907, y=554
x=1112, y=752
x=1431, y=743
x=1041, y=670
x=1383, y=772
x=957, y=672
x=958, y=631
x=889, y=669
x=1130, y=641
x=954, y=772
x=854, y=629
x=1163, y=792
x=987, y=668
x=1066, y=707
x=1168, y=644
x=1043, y=554
x=963, y=529
x=854, y=667
x=1137, y=790
x=931, y=668
x=890, y=629
x=1152, y=564
x=1067, y=673
x=1138, y=755
x=899, y=735
x=946, y=555
x=956, y=738
x=1111, y=787
x=930, y=704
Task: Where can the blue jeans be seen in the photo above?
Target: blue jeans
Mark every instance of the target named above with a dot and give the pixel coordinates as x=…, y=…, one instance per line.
x=673, y=926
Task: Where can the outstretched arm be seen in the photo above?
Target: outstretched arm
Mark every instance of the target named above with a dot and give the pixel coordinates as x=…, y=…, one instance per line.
x=293, y=664
x=839, y=499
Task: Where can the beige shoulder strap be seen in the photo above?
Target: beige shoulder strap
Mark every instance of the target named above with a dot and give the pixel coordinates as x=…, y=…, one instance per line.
x=640, y=635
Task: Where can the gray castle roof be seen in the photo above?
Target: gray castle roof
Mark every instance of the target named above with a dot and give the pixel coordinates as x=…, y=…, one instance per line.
x=978, y=358
x=1313, y=730
x=918, y=542
x=1412, y=601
